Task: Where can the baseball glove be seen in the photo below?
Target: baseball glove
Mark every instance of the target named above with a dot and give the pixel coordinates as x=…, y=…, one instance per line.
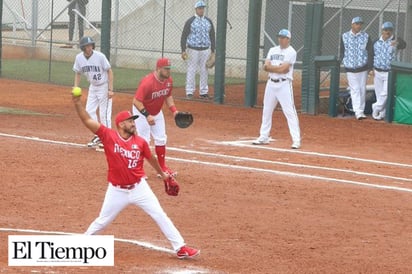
x=183, y=119
x=210, y=63
x=171, y=186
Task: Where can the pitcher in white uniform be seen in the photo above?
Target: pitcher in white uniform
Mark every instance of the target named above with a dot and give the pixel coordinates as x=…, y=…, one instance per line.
x=97, y=69
x=279, y=63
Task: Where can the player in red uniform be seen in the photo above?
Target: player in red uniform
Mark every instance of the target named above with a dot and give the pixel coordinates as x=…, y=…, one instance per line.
x=125, y=151
x=155, y=89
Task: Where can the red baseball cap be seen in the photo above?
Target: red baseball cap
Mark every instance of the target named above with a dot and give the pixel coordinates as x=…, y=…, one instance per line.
x=163, y=63
x=123, y=116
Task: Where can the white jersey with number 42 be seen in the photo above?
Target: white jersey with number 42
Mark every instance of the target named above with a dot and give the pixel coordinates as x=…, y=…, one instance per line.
x=94, y=68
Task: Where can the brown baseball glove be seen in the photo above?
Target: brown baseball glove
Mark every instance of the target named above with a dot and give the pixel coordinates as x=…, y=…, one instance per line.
x=183, y=119
x=210, y=63
x=171, y=186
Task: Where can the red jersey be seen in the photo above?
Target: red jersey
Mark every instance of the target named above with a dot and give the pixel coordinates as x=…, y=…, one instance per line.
x=152, y=92
x=124, y=157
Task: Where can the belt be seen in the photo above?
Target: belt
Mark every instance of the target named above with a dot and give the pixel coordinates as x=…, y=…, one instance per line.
x=198, y=48
x=382, y=70
x=128, y=187
x=278, y=80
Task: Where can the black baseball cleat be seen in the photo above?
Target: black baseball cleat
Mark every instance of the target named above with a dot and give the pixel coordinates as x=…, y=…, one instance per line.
x=94, y=142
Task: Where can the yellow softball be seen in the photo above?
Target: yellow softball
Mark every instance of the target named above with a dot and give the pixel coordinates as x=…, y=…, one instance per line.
x=77, y=91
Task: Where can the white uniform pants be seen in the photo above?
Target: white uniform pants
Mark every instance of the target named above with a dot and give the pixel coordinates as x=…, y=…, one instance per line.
x=158, y=130
x=380, y=82
x=98, y=97
x=281, y=92
x=197, y=60
x=117, y=199
x=357, y=85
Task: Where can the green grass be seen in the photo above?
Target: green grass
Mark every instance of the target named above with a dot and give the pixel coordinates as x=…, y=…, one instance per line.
x=61, y=73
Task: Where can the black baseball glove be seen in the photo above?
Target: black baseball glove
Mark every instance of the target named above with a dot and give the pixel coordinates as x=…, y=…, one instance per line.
x=183, y=119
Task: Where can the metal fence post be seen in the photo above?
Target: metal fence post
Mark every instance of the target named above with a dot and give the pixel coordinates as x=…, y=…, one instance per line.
x=106, y=24
x=1, y=36
x=220, y=52
x=34, y=18
x=252, y=59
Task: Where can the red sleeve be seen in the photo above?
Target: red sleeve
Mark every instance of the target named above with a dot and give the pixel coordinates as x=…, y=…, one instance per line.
x=143, y=89
x=146, y=150
x=101, y=132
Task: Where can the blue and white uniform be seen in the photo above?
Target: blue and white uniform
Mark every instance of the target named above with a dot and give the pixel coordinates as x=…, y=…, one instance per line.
x=198, y=41
x=356, y=55
x=384, y=54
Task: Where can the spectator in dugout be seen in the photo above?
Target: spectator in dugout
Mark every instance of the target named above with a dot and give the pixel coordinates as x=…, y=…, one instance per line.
x=384, y=50
x=356, y=55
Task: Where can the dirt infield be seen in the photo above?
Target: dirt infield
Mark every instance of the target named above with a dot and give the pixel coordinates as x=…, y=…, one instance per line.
x=341, y=204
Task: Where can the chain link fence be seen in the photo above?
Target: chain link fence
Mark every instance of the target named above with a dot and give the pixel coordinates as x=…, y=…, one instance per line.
x=144, y=30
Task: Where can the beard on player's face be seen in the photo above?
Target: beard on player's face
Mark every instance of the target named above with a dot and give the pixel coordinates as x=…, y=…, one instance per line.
x=129, y=127
x=164, y=73
x=130, y=130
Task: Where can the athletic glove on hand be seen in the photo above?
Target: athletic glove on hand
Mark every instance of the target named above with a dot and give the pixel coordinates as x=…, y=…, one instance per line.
x=210, y=63
x=171, y=186
x=183, y=119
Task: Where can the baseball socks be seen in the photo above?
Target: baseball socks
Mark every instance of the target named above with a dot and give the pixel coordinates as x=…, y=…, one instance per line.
x=161, y=155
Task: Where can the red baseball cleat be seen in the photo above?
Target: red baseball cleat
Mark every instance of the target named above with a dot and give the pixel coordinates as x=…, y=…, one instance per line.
x=187, y=252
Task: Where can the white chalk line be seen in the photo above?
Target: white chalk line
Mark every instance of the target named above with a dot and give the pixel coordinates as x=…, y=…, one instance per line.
x=139, y=243
x=282, y=173
x=41, y=140
x=237, y=158
x=147, y=245
x=292, y=174
x=250, y=145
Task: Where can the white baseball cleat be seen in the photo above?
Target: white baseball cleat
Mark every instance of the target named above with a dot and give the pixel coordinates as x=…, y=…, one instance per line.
x=360, y=116
x=261, y=141
x=296, y=145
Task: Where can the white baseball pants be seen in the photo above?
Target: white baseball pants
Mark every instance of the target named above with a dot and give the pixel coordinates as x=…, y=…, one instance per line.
x=98, y=97
x=380, y=82
x=281, y=92
x=357, y=85
x=197, y=60
x=158, y=130
x=117, y=199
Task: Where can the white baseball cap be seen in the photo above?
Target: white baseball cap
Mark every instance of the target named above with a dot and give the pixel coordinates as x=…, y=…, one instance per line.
x=200, y=4
x=357, y=20
x=284, y=33
x=387, y=25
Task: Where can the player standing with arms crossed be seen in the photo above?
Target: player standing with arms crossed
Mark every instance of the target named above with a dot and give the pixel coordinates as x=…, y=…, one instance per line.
x=125, y=152
x=153, y=90
x=97, y=69
x=279, y=63
x=384, y=53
